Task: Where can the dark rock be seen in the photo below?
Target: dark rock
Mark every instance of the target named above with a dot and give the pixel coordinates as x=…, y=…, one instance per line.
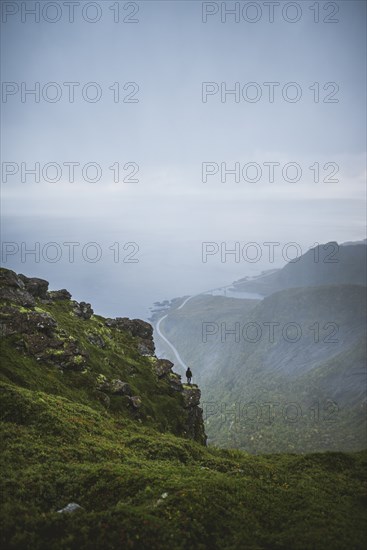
x=44, y=322
x=175, y=381
x=138, y=329
x=37, y=287
x=191, y=395
x=12, y=289
x=146, y=348
x=114, y=386
x=195, y=425
x=12, y=321
x=52, y=351
x=163, y=367
x=62, y=294
x=69, y=358
x=10, y=279
x=42, y=341
x=135, y=401
x=117, y=387
x=97, y=340
x=20, y=297
x=20, y=289
x=83, y=310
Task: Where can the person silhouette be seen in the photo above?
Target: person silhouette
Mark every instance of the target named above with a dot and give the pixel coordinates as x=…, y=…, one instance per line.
x=189, y=375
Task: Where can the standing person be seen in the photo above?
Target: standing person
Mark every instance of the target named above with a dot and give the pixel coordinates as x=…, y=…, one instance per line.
x=189, y=375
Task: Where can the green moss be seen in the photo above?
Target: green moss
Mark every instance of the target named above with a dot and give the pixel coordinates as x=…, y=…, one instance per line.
x=141, y=483
x=140, y=488
x=22, y=309
x=55, y=352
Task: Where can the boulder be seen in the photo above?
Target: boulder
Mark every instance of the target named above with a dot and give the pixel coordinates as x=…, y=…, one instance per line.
x=97, y=340
x=118, y=387
x=12, y=289
x=37, y=287
x=43, y=322
x=114, y=386
x=62, y=294
x=13, y=321
x=83, y=310
x=136, y=327
x=163, y=367
x=10, y=279
x=20, y=297
x=135, y=401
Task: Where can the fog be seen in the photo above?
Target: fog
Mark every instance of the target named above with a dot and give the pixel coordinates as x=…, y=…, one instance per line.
x=169, y=139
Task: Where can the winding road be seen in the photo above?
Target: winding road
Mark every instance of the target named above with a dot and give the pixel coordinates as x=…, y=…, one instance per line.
x=177, y=355
x=158, y=329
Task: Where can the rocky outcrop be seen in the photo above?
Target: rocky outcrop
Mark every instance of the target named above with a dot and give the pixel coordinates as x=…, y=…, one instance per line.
x=62, y=294
x=96, y=339
x=137, y=328
x=191, y=395
x=162, y=367
x=83, y=310
x=13, y=289
x=114, y=386
x=175, y=381
x=195, y=424
x=37, y=287
x=36, y=325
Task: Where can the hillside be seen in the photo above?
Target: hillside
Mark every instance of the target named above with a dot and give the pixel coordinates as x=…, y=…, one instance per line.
x=104, y=447
x=303, y=346
x=108, y=364
x=324, y=264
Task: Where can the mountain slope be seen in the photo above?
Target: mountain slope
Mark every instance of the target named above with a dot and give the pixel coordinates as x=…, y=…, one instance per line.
x=302, y=345
x=108, y=364
x=93, y=422
x=141, y=489
x=325, y=264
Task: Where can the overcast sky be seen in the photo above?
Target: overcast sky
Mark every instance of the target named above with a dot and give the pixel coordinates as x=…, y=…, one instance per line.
x=167, y=134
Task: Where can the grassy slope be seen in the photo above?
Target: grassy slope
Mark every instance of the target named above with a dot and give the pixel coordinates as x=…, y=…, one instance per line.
x=143, y=489
x=161, y=407
x=238, y=373
x=139, y=484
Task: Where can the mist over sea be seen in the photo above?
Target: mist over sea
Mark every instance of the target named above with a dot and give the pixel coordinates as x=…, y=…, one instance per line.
x=167, y=266
x=118, y=288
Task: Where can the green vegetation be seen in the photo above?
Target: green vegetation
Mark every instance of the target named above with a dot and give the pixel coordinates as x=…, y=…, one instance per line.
x=70, y=433
x=143, y=489
x=273, y=395
x=118, y=358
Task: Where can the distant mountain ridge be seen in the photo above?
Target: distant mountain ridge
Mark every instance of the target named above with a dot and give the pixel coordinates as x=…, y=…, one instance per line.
x=311, y=349
x=325, y=264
